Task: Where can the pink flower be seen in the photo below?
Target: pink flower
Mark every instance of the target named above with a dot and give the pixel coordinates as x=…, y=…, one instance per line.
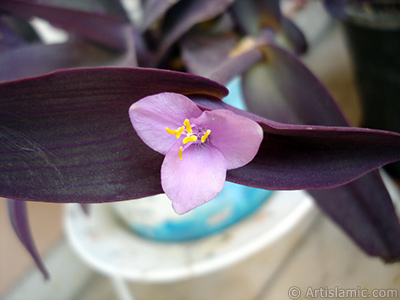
x=199, y=146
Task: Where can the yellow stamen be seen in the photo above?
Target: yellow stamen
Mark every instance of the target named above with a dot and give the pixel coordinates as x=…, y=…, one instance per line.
x=177, y=132
x=170, y=131
x=189, y=139
x=180, y=152
x=205, y=136
x=188, y=127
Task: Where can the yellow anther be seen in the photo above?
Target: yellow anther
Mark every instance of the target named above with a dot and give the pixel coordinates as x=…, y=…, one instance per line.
x=205, y=136
x=177, y=132
x=180, y=152
x=188, y=127
x=189, y=139
x=170, y=131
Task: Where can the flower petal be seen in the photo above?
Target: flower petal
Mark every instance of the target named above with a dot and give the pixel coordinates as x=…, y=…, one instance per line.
x=151, y=115
x=237, y=137
x=194, y=180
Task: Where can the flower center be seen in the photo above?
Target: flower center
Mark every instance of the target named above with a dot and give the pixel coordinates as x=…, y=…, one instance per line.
x=192, y=134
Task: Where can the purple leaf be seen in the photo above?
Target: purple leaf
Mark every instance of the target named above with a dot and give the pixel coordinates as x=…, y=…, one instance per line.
x=316, y=157
x=282, y=79
x=336, y=8
x=253, y=15
x=365, y=212
x=221, y=56
x=294, y=35
x=15, y=33
x=85, y=208
x=154, y=10
x=311, y=157
x=19, y=221
x=9, y=39
x=37, y=59
x=184, y=15
x=138, y=50
x=235, y=66
x=105, y=29
x=112, y=7
x=203, y=53
x=363, y=207
x=66, y=137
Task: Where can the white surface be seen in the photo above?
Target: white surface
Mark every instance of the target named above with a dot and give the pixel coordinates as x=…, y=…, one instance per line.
x=113, y=250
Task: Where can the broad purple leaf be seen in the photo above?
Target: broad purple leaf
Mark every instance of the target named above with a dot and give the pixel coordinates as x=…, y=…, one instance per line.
x=19, y=221
x=66, y=137
x=105, y=29
x=295, y=96
x=316, y=157
x=184, y=15
x=311, y=157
